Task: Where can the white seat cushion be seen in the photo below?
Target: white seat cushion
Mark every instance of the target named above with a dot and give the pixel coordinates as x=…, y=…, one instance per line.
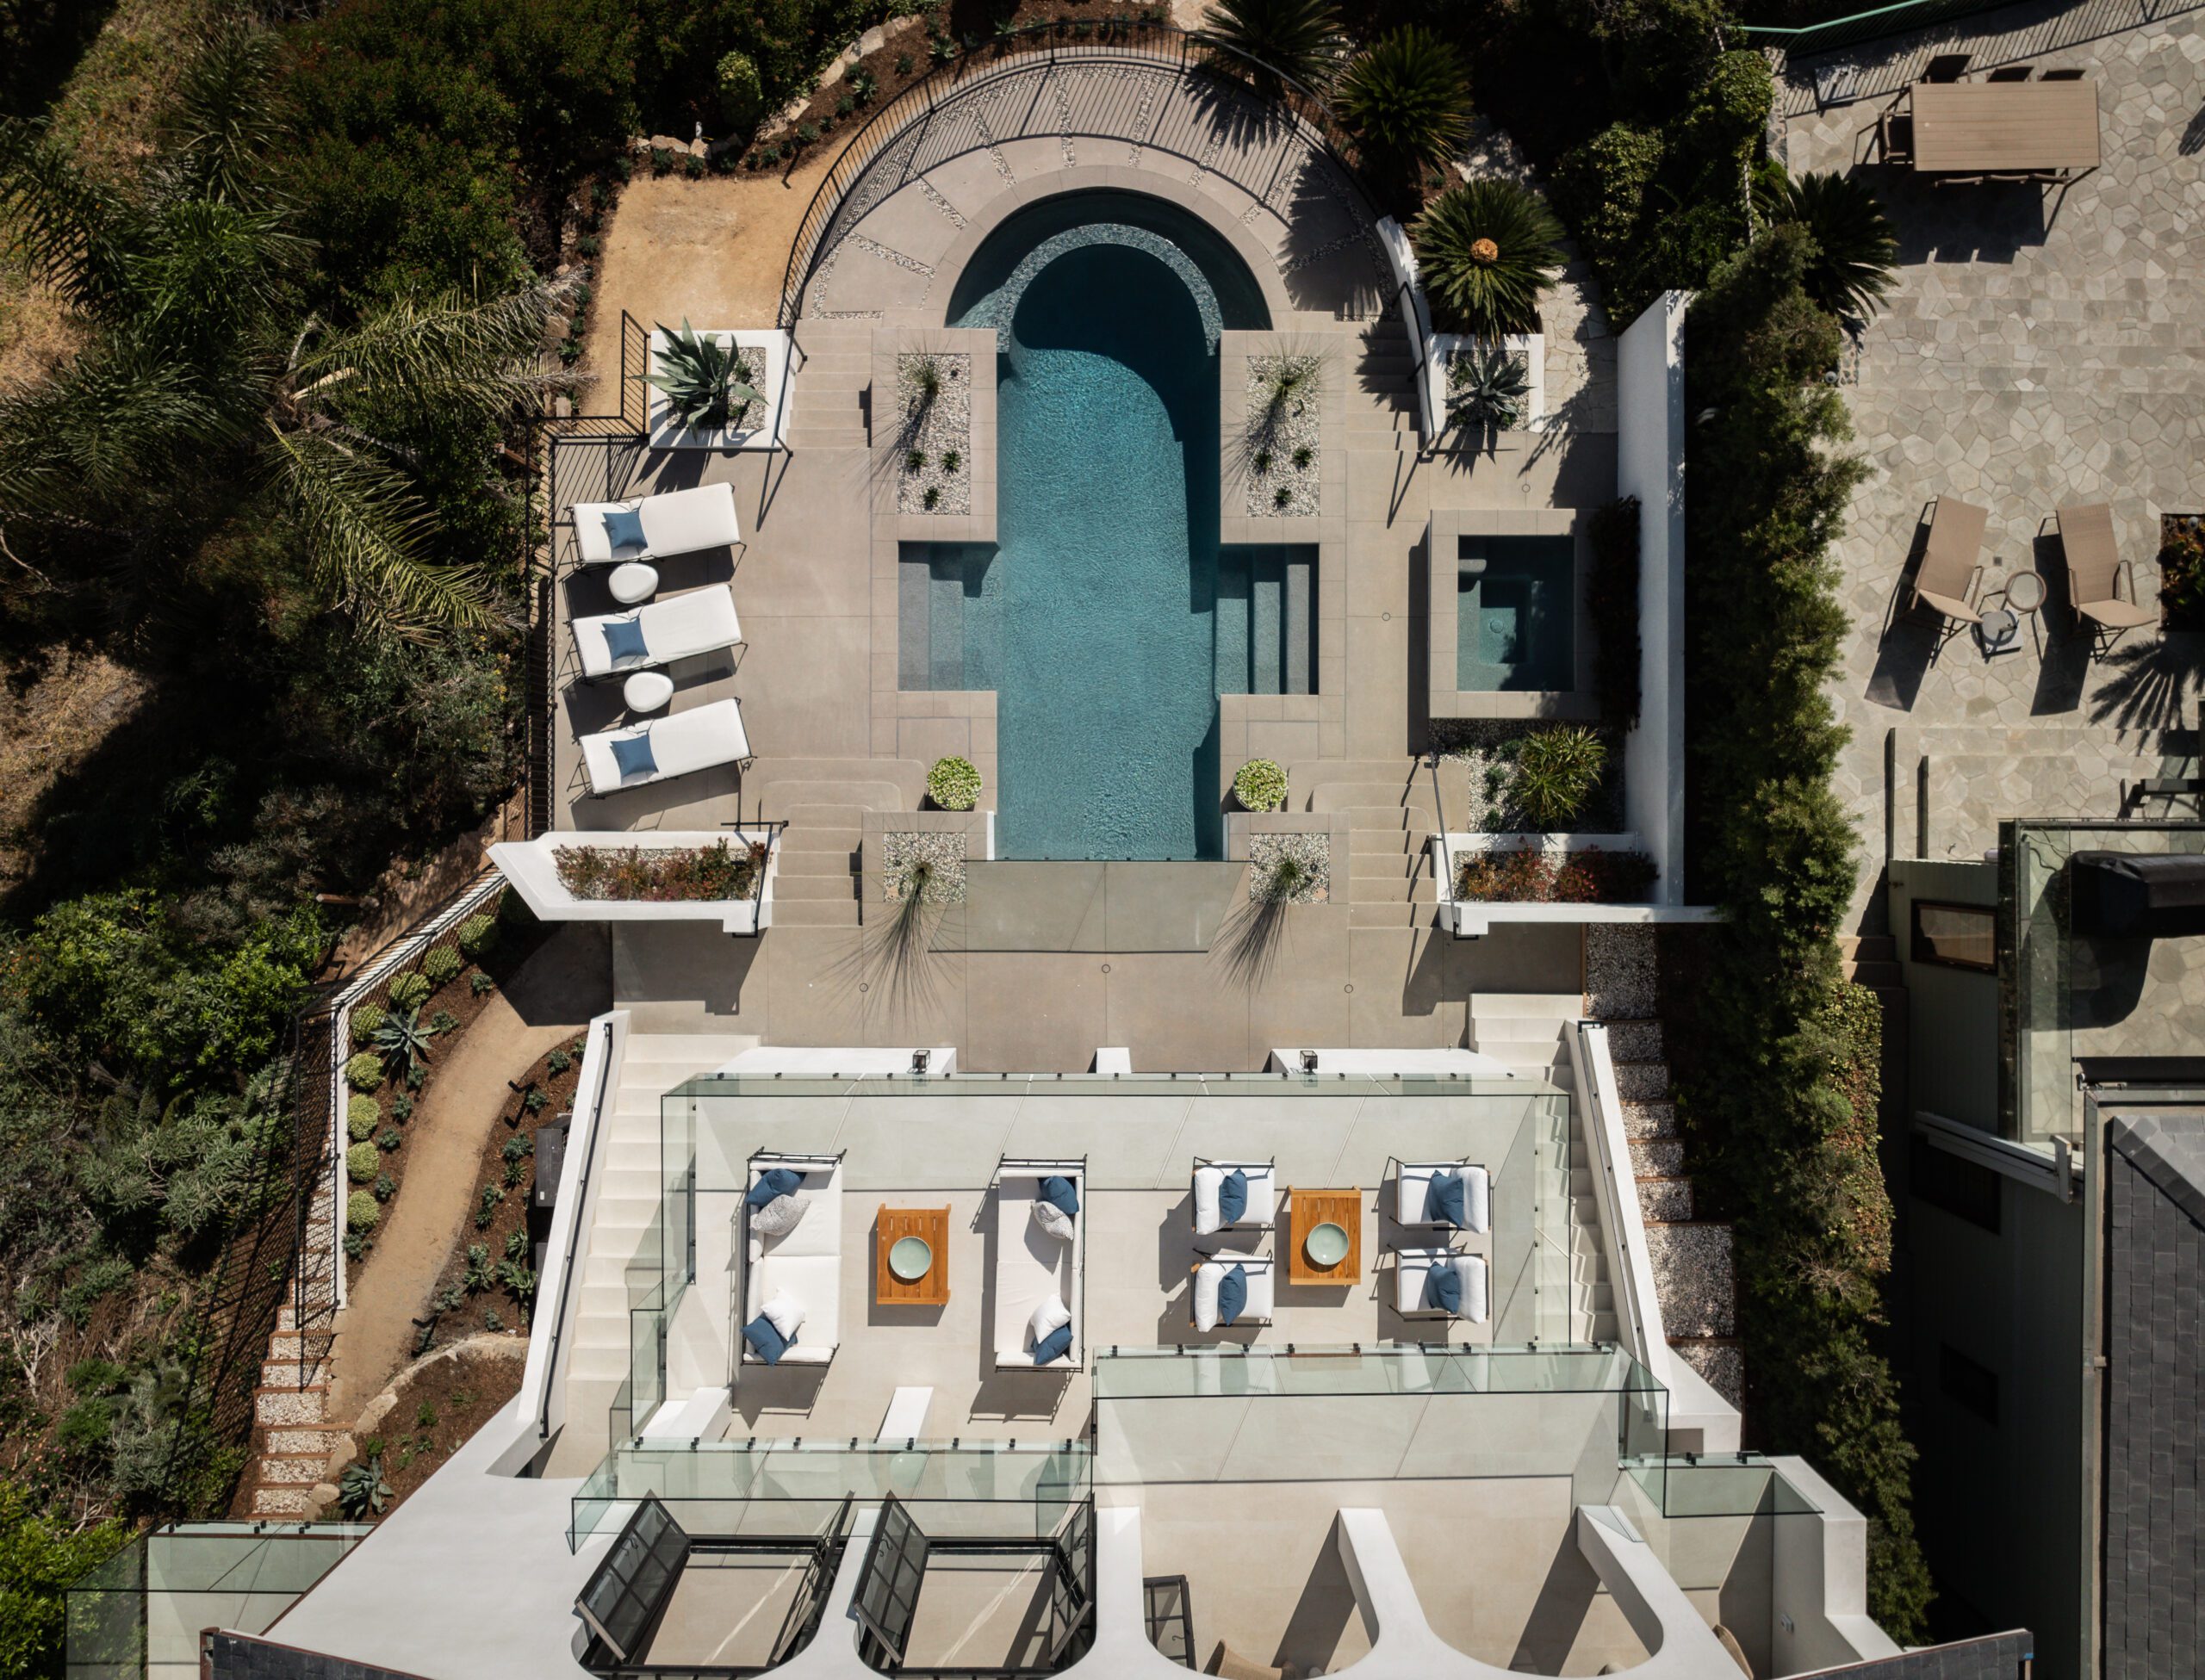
x=1263, y=1195
x=676, y=522
x=685, y=741
x=1409, y=1277
x=1031, y=1266
x=1211, y=1273
x=702, y=621
x=1416, y=1178
x=816, y=1283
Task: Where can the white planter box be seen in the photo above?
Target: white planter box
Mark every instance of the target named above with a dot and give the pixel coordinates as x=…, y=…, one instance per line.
x=1469, y=920
x=1531, y=346
x=666, y=433
x=530, y=869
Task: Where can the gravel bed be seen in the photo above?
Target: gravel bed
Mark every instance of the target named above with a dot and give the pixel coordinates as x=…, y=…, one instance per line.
x=1277, y=438
x=936, y=430
x=945, y=850
x=1620, y=973
x=1313, y=852
x=751, y=360
x=1691, y=1265
x=1487, y=745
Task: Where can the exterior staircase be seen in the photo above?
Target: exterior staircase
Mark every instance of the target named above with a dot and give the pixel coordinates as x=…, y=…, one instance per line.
x=833, y=366
x=1524, y=1030
x=290, y=1405
x=817, y=883
x=1690, y=1257
x=1389, y=818
x=1384, y=416
x=628, y=1200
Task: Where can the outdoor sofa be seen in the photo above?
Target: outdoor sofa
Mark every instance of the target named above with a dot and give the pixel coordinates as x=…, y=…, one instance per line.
x=1211, y=1271
x=1413, y=1182
x=806, y=1262
x=1413, y=1268
x=1261, y=1209
x=1034, y=1269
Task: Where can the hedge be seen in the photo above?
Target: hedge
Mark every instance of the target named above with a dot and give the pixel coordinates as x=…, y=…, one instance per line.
x=1778, y=1081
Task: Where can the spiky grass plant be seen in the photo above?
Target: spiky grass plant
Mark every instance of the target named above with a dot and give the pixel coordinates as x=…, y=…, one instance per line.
x=1269, y=43
x=698, y=376
x=1487, y=250
x=1555, y=773
x=1856, y=258
x=1408, y=102
x=1487, y=389
x=402, y=1040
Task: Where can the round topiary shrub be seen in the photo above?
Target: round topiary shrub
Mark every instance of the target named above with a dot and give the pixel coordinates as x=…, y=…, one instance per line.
x=440, y=965
x=954, y=784
x=363, y=1072
x=1260, y=786
x=365, y=1018
x=743, y=91
x=362, y=1162
x=361, y=1212
x=362, y=1116
x=410, y=991
x=477, y=935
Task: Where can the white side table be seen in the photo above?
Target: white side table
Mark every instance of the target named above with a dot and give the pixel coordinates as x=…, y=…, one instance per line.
x=632, y=581
x=647, y=690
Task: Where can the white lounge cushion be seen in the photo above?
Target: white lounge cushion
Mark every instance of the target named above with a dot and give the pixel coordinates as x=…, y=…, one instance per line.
x=676, y=522
x=785, y=1312
x=1416, y=1177
x=805, y=1263
x=1263, y=1195
x=685, y=741
x=1052, y=1316
x=1032, y=1267
x=819, y=1233
x=1409, y=1278
x=674, y=627
x=1210, y=1274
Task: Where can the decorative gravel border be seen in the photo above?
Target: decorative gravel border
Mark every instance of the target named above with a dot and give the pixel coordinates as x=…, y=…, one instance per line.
x=945, y=850
x=1313, y=852
x=750, y=360
x=941, y=427
x=1280, y=437
x=1479, y=743
x=1622, y=973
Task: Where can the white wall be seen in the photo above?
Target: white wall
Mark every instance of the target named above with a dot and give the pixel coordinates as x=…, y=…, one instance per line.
x=1650, y=465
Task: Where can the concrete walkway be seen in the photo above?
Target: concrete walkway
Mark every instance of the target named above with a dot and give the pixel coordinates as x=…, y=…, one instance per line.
x=550, y=1000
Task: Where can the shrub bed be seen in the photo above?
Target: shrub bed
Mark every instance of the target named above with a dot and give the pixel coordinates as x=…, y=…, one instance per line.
x=1527, y=876
x=635, y=874
x=1777, y=1076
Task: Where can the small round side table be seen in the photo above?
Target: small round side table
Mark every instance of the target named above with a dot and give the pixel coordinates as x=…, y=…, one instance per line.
x=632, y=582
x=2024, y=593
x=647, y=690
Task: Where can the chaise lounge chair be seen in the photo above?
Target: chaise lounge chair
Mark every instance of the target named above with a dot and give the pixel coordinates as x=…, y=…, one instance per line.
x=1035, y=1269
x=2095, y=569
x=1413, y=1268
x=804, y=1264
x=1412, y=1179
x=1946, y=580
x=1210, y=1271
x=675, y=522
x=676, y=627
x=686, y=742
x=1262, y=1208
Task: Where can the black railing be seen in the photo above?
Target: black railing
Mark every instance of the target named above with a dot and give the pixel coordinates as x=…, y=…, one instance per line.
x=1871, y=25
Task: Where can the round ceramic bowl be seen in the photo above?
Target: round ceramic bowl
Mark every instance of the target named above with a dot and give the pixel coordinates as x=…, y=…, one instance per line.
x=1326, y=1245
x=910, y=1258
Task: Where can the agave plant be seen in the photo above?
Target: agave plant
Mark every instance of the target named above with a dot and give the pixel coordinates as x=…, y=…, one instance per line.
x=403, y=1039
x=1407, y=100
x=361, y=1491
x=1487, y=250
x=1486, y=388
x=700, y=380
x=1856, y=251
x=1272, y=42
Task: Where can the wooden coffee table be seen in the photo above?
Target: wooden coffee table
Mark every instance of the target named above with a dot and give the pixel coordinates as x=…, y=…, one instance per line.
x=1307, y=1209
x=890, y=1227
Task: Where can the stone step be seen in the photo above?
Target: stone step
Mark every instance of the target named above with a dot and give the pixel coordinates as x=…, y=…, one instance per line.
x=1603, y=1327
x=285, y=1470
x=283, y=1502
x=1657, y=1157
x=1360, y=914
x=815, y=914
x=1542, y=1007
x=1692, y=1278
x=1642, y=1081
x=1400, y=865
x=789, y=889
x=306, y=1405
x=1386, y=819
x=1668, y=1200
x=1635, y=1041
x=805, y=839
x=1392, y=797
x=1394, y=843
x=293, y=1373
x=1649, y=1119
x=281, y=1443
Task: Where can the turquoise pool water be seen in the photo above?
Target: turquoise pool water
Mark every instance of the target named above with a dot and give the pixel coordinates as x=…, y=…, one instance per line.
x=1516, y=614
x=1095, y=615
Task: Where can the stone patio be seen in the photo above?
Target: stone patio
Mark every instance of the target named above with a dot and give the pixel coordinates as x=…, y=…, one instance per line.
x=2042, y=347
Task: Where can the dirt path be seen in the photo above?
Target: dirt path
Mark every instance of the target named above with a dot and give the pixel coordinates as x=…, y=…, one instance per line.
x=713, y=252
x=549, y=1003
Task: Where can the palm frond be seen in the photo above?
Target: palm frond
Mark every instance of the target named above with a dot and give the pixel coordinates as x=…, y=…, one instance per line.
x=1856, y=249
x=72, y=229
x=363, y=530
x=223, y=116
x=211, y=273
x=1267, y=40
x=1487, y=250
x=1407, y=98
x=477, y=356
x=102, y=430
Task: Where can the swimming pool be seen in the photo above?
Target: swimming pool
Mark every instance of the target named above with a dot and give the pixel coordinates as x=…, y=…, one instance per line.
x=1516, y=614
x=1095, y=617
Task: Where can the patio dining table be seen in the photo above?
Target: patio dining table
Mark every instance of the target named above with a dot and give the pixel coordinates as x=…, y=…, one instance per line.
x=2004, y=128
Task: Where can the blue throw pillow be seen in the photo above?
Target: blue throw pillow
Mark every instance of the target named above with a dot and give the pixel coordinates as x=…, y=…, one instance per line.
x=1443, y=1287
x=1060, y=1192
x=1233, y=1198
x=768, y=1343
x=1232, y=1295
x=632, y=757
x=1442, y=1200
x=623, y=639
x=775, y=1181
x=624, y=529
x=1057, y=1344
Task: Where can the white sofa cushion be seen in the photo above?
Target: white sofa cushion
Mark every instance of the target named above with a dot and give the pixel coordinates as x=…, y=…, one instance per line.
x=1416, y=1177
x=687, y=741
x=674, y=627
x=1409, y=1276
x=1051, y=1316
x=816, y=1282
x=786, y=1313
x=1210, y=1274
x=1031, y=1268
x=676, y=522
x=1263, y=1195
x=1207, y=1179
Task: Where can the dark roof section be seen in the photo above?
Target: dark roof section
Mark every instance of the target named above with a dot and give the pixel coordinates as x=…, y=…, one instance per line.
x=2154, y=1558
x=2000, y=1657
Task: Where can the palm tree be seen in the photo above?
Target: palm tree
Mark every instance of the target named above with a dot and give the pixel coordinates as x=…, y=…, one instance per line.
x=1298, y=40
x=1856, y=250
x=203, y=387
x=1486, y=249
x=1407, y=100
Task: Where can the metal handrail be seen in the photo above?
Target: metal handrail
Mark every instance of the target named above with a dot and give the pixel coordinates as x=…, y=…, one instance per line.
x=574, y=1238
x=1188, y=48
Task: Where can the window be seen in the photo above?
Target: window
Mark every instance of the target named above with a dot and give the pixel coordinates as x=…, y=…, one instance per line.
x=1966, y=1189
x=1971, y=1387
x=1955, y=936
